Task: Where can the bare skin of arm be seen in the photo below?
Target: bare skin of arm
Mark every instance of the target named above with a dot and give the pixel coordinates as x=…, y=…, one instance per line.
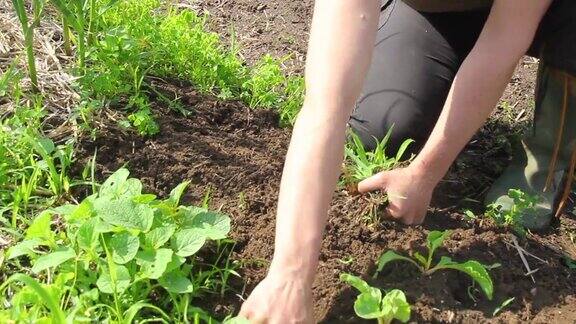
x=343, y=33
x=476, y=89
x=341, y=40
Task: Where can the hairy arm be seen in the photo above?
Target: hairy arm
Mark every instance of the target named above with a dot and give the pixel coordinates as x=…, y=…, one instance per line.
x=480, y=81
x=339, y=53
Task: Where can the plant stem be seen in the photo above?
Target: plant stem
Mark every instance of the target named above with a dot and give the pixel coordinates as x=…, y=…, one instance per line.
x=66, y=36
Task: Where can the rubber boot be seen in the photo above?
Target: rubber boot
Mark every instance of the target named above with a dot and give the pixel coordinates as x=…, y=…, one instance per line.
x=540, y=168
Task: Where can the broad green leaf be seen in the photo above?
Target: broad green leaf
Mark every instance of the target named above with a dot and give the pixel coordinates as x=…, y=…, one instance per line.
x=436, y=239
x=153, y=263
x=394, y=305
x=113, y=184
x=124, y=247
x=132, y=188
x=53, y=259
x=176, y=193
x=355, y=282
x=122, y=280
x=214, y=226
x=188, y=241
x=125, y=213
x=472, y=268
x=75, y=212
x=175, y=263
x=144, y=199
x=40, y=227
x=46, y=145
x=87, y=236
x=25, y=247
x=103, y=227
x=390, y=256
x=176, y=282
x=367, y=304
x=160, y=235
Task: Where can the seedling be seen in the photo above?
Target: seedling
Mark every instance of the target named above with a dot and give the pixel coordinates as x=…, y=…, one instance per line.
x=371, y=304
x=473, y=268
x=512, y=217
x=360, y=164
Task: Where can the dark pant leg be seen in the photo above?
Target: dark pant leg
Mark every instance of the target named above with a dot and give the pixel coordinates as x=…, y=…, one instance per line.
x=555, y=40
x=415, y=59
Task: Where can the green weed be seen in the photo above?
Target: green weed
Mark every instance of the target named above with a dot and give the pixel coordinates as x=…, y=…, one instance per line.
x=360, y=164
x=473, y=268
x=512, y=217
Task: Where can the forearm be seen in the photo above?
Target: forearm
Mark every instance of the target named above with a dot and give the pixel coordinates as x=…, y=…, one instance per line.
x=480, y=82
x=339, y=53
x=475, y=92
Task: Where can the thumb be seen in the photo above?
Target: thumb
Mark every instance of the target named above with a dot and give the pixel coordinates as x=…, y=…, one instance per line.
x=375, y=182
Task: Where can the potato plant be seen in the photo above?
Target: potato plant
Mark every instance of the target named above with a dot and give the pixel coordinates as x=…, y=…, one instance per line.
x=473, y=268
x=371, y=304
x=115, y=251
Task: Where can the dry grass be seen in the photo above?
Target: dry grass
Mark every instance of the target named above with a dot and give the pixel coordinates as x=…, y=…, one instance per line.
x=54, y=77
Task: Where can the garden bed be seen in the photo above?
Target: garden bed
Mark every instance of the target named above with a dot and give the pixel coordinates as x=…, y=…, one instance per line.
x=237, y=154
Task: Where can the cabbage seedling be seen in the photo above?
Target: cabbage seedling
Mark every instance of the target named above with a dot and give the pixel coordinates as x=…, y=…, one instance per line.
x=476, y=270
x=371, y=304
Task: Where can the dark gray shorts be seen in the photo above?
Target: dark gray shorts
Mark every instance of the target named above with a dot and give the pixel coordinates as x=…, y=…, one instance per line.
x=417, y=55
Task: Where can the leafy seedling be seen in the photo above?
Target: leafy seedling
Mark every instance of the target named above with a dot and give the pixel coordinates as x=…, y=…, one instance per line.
x=473, y=268
x=512, y=217
x=371, y=304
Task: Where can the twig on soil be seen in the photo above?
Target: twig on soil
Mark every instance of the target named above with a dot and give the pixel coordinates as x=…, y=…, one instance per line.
x=523, y=257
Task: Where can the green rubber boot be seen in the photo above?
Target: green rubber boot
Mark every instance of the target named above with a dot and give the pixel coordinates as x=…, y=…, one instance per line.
x=539, y=167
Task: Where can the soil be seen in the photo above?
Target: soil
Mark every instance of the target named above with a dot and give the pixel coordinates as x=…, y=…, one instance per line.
x=238, y=153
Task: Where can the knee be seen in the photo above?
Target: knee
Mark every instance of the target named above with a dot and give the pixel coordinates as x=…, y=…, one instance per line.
x=400, y=129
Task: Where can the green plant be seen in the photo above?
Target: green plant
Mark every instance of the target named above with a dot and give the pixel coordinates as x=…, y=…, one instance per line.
x=512, y=216
x=115, y=250
x=360, y=164
x=28, y=30
x=371, y=304
x=473, y=268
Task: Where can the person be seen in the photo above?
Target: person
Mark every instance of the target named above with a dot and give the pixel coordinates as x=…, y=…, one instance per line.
x=436, y=71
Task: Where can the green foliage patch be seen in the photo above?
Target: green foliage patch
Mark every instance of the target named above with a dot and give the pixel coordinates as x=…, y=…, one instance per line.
x=111, y=254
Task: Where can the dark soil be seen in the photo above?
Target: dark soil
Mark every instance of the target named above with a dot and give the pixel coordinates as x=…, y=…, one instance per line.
x=238, y=153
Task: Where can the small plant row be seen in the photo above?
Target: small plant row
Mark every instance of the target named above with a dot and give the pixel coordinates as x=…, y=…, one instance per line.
x=119, y=44
x=119, y=256
x=373, y=304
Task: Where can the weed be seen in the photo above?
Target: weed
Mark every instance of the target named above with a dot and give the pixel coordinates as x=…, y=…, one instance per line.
x=360, y=164
x=512, y=217
x=473, y=268
x=28, y=31
x=504, y=304
x=371, y=304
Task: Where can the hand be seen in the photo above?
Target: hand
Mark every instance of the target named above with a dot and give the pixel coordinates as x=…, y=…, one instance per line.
x=280, y=299
x=409, y=193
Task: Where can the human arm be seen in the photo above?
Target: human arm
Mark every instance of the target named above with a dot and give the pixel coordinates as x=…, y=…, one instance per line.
x=339, y=53
x=478, y=85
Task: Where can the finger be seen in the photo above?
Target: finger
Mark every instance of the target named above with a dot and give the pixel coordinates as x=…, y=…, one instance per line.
x=375, y=182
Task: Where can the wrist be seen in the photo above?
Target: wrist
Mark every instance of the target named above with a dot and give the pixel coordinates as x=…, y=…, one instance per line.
x=295, y=268
x=426, y=172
